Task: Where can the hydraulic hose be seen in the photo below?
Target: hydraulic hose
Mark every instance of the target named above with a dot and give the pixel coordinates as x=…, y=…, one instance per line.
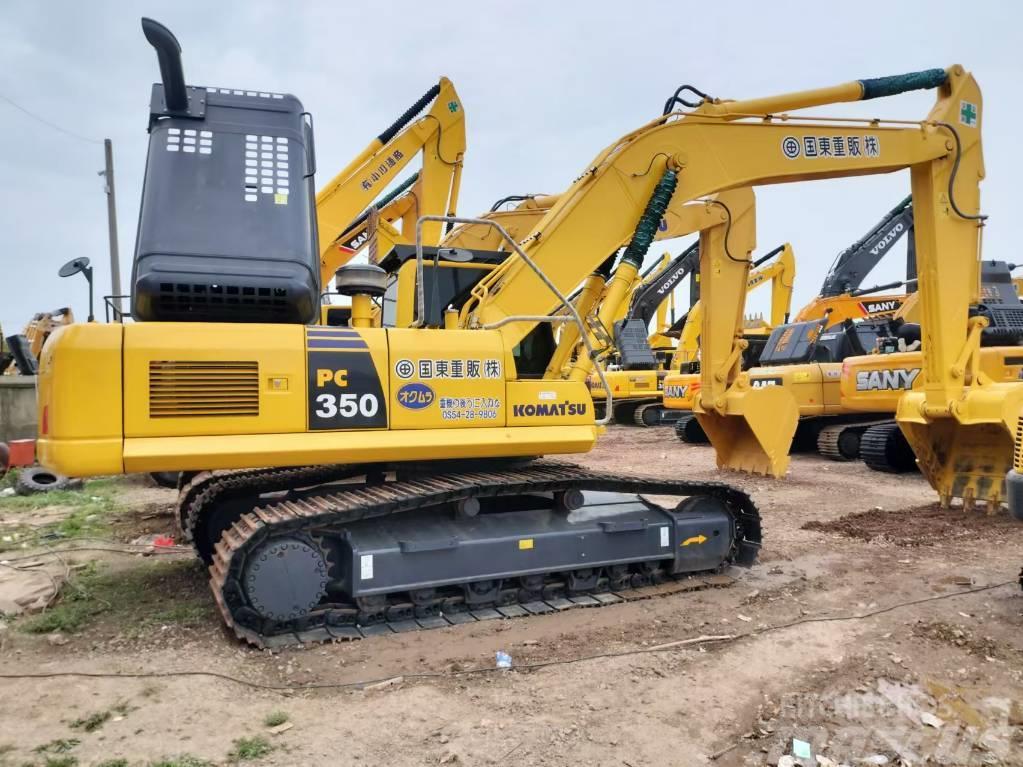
x=646, y=229
x=409, y=114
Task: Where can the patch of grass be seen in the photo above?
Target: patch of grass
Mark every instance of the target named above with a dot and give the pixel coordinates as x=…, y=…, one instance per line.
x=185, y=760
x=58, y=746
x=250, y=748
x=67, y=760
x=136, y=600
x=97, y=719
x=8, y=479
x=275, y=718
x=90, y=511
x=92, y=722
x=113, y=763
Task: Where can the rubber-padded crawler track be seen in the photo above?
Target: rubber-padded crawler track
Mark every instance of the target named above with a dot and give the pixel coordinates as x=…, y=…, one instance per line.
x=340, y=505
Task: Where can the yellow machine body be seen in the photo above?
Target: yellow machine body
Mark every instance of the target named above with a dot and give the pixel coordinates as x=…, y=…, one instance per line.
x=190, y=397
x=874, y=383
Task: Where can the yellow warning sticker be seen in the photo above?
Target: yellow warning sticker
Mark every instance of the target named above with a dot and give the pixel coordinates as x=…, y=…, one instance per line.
x=280, y=199
x=697, y=539
x=525, y=544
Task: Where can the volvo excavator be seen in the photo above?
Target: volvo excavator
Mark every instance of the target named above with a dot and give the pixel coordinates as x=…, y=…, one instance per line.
x=638, y=387
x=400, y=485
x=812, y=375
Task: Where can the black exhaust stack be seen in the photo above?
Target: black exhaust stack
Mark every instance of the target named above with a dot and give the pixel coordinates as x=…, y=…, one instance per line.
x=168, y=53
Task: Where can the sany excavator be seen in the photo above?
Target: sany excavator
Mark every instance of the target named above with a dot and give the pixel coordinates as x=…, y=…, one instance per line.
x=638, y=387
x=400, y=486
x=823, y=325
x=873, y=383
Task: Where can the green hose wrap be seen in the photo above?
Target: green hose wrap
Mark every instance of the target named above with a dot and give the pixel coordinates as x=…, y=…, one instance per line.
x=646, y=229
x=878, y=87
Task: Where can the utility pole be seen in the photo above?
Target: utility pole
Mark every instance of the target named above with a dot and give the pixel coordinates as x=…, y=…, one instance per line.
x=115, y=264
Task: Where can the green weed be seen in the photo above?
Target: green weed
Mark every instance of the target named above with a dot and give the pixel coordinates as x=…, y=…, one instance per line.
x=250, y=748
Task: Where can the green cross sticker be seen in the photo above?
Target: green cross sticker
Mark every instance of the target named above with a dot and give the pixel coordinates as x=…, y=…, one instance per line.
x=968, y=114
x=452, y=106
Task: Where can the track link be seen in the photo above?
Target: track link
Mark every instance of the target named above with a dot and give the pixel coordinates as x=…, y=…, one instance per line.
x=326, y=511
x=209, y=491
x=688, y=430
x=883, y=448
x=654, y=414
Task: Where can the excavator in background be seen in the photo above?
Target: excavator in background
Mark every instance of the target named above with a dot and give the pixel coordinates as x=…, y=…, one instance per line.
x=823, y=426
x=402, y=488
x=638, y=386
x=842, y=293
x=874, y=383
x=627, y=338
x=682, y=384
x=19, y=354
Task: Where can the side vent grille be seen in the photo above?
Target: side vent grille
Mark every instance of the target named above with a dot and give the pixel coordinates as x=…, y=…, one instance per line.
x=184, y=389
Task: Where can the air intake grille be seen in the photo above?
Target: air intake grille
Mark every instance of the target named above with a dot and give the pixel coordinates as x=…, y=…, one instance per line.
x=184, y=389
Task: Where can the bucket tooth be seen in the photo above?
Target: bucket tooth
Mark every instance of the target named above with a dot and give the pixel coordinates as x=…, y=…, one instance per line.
x=755, y=433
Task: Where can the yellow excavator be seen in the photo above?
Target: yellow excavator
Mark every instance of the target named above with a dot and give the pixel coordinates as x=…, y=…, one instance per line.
x=873, y=383
x=366, y=479
x=638, y=383
x=813, y=376
x=19, y=354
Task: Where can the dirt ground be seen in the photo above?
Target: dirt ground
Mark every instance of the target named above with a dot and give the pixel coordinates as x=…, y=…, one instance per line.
x=936, y=682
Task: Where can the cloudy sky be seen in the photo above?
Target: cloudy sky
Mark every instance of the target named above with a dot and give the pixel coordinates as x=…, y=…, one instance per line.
x=546, y=85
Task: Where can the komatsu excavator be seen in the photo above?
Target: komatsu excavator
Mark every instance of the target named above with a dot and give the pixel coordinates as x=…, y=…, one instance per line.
x=823, y=323
x=639, y=386
x=399, y=486
x=413, y=445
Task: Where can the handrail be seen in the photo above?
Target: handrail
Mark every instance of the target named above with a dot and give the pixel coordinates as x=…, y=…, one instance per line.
x=420, y=320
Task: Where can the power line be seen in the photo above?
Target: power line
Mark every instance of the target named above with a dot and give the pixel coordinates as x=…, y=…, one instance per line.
x=47, y=123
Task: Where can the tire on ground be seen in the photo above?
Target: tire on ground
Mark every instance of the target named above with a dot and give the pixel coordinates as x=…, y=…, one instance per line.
x=39, y=480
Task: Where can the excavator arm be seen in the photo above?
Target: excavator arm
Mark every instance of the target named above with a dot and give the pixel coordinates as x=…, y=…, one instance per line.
x=853, y=264
x=723, y=145
x=780, y=273
x=439, y=135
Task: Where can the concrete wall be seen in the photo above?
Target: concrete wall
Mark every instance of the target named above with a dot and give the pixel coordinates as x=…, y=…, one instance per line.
x=17, y=407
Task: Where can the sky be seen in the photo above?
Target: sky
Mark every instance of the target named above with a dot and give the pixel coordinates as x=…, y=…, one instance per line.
x=545, y=86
